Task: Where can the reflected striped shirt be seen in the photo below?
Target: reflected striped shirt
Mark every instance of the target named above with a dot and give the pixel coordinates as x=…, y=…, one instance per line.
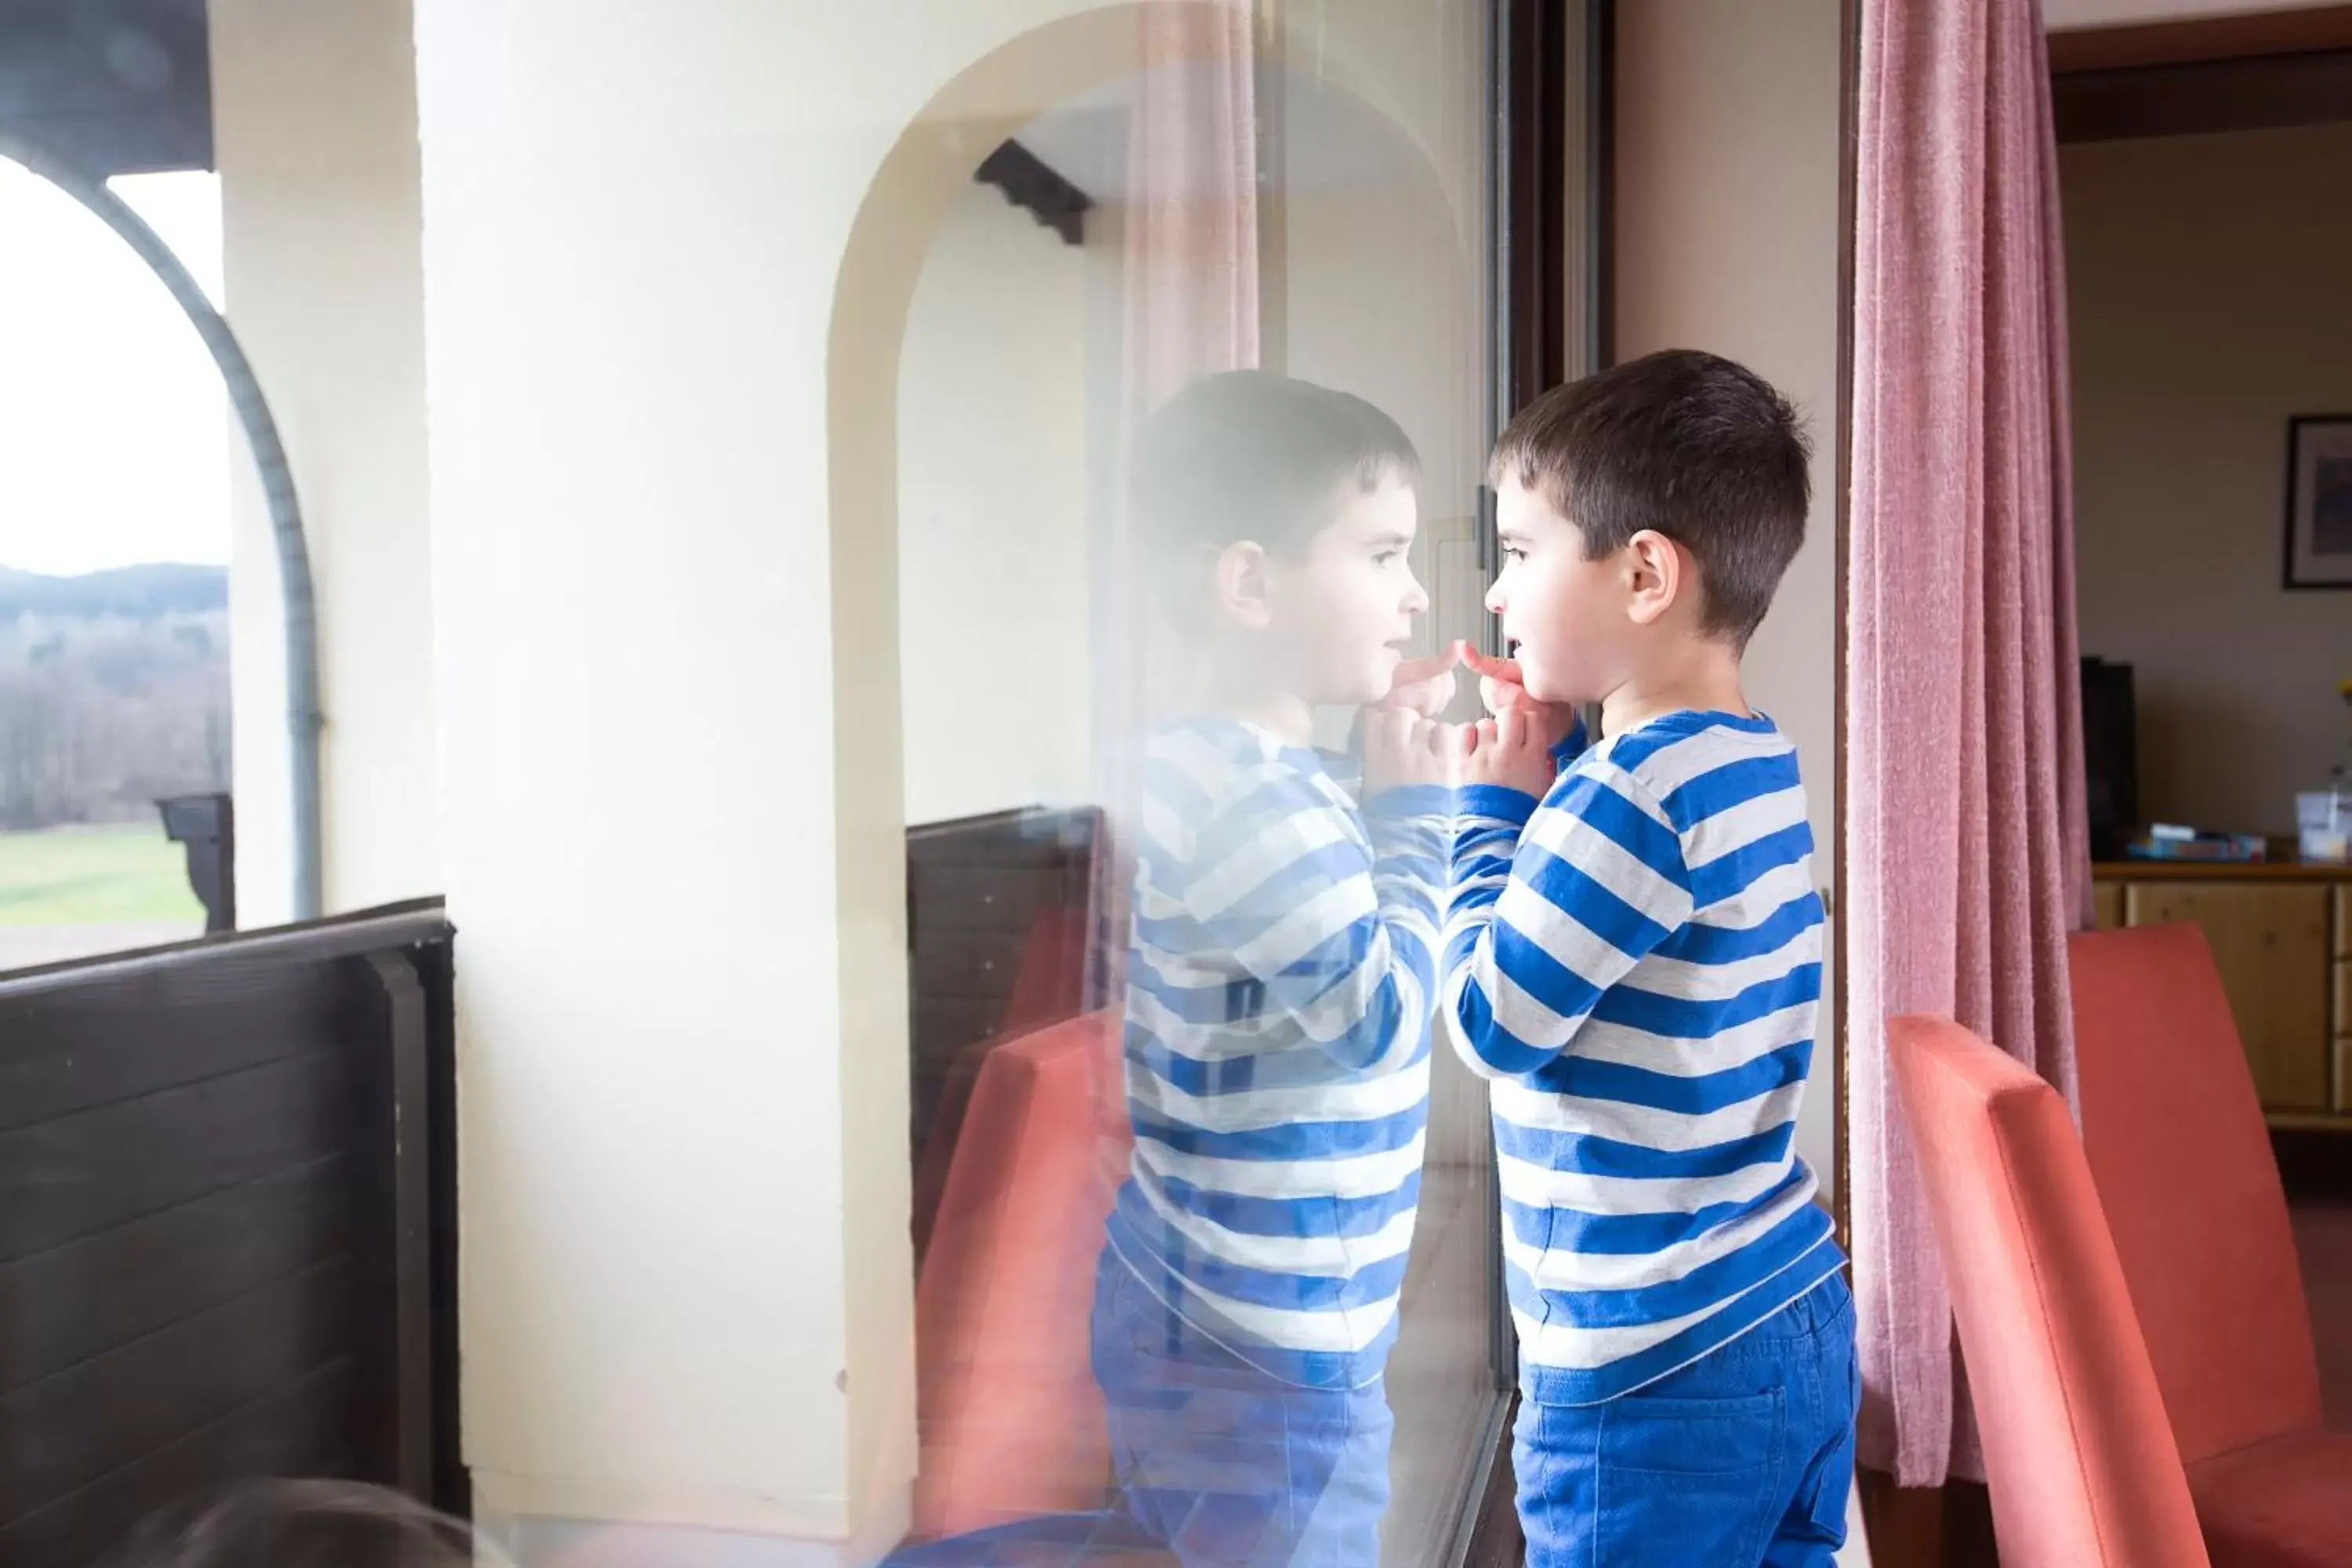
x=1280, y=984
x=1636, y=963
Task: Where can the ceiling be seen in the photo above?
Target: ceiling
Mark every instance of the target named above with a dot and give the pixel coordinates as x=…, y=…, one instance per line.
x=2062, y=15
x=123, y=85
x=1321, y=137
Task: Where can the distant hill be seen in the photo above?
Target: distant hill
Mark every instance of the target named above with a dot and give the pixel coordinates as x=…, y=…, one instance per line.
x=133, y=593
x=114, y=693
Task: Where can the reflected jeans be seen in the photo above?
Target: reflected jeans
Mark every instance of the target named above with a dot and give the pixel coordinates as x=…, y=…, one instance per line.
x=1743, y=1458
x=1227, y=1466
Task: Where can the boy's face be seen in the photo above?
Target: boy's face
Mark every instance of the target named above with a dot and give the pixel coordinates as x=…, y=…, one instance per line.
x=1574, y=621
x=1338, y=612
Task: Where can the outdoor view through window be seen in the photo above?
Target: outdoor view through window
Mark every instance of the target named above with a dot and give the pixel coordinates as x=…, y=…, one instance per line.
x=115, y=471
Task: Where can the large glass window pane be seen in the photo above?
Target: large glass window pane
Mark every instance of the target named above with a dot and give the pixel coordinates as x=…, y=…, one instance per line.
x=1192, y=414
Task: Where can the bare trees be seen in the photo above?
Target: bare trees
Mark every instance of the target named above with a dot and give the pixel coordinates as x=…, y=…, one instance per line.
x=100, y=715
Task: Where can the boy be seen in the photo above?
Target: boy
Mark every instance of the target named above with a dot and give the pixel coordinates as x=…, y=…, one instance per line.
x=1280, y=984
x=1637, y=963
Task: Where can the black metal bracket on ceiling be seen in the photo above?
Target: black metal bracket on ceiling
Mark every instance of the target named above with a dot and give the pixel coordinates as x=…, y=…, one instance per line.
x=1030, y=182
x=113, y=87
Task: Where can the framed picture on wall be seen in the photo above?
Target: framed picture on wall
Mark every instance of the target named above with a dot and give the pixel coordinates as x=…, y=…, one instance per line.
x=2319, y=501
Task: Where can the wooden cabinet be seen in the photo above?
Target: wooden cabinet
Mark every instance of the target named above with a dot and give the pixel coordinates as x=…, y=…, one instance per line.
x=2343, y=998
x=2281, y=937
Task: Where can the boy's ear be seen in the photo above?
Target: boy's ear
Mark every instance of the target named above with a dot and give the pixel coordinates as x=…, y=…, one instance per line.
x=1240, y=581
x=1657, y=573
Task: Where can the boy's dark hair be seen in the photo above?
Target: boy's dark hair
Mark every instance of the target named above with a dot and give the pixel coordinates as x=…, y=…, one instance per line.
x=1245, y=455
x=1686, y=444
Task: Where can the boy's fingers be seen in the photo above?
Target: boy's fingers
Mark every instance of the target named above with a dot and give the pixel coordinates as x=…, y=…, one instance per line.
x=1496, y=695
x=1508, y=728
x=1425, y=694
x=1430, y=669
x=1485, y=734
x=1490, y=666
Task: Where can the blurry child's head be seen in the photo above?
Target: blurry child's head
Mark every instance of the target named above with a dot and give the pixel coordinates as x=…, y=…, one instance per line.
x=1278, y=514
x=1644, y=511
x=303, y=1524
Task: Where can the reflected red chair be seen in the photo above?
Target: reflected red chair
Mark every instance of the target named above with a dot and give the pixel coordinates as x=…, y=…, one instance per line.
x=2077, y=1452
x=1012, y=1423
x=2182, y=1160
x=1046, y=990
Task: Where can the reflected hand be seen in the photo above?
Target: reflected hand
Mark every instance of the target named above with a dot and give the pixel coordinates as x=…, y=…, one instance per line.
x=1402, y=748
x=1504, y=691
x=1423, y=686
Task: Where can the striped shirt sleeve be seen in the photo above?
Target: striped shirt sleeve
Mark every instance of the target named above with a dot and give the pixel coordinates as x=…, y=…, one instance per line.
x=1552, y=905
x=1333, y=917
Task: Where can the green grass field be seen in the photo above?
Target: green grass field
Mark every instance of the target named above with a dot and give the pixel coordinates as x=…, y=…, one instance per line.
x=109, y=876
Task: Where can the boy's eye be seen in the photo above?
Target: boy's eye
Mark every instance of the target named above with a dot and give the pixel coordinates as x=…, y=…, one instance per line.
x=1513, y=552
x=1385, y=556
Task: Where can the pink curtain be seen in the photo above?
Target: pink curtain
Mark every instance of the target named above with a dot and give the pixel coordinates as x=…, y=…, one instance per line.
x=1191, y=213
x=1190, y=309
x=1966, y=838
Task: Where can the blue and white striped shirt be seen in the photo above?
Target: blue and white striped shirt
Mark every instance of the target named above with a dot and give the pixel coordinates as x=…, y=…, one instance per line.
x=1279, y=991
x=1637, y=964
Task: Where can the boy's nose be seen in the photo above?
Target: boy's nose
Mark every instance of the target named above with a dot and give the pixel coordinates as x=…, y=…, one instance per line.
x=1494, y=599
x=1416, y=597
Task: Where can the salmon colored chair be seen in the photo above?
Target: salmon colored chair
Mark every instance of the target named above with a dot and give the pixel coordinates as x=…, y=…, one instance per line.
x=2077, y=1451
x=1012, y=1424
x=1046, y=990
x=2183, y=1164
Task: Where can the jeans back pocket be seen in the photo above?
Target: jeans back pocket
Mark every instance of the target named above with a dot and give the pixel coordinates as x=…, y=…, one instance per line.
x=1689, y=1481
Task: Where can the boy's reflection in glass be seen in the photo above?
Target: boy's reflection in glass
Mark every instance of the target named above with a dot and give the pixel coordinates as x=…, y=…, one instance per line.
x=1279, y=985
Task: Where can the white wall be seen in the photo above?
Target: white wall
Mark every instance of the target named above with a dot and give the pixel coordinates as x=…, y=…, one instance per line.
x=1727, y=240
x=993, y=546
x=314, y=120
x=2206, y=278
x=1381, y=227
x=1383, y=303
x=2065, y=14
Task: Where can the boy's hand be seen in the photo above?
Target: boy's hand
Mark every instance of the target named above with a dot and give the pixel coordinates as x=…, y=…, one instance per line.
x=1423, y=686
x=1501, y=688
x=1510, y=751
x=1402, y=748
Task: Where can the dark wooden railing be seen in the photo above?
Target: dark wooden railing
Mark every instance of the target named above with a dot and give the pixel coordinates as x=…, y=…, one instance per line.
x=227, y=1225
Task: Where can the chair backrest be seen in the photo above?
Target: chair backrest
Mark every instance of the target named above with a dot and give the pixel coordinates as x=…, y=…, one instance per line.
x=1045, y=991
x=1012, y=1422
x=2077, y=1452
x=2184, y=1168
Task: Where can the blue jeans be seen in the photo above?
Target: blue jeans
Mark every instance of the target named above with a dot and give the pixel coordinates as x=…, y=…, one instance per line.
x=1742, y=1458
x=1222, y=1462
